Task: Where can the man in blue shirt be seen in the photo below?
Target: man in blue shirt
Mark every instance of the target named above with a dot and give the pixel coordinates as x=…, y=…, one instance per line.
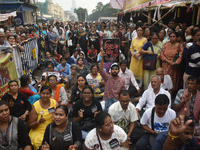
x=63, y=67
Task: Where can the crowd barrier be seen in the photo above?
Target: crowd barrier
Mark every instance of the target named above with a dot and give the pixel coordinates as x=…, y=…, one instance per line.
x=14, y=65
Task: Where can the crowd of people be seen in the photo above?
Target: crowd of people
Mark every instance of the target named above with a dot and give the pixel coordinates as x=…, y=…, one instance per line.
x=82, y=102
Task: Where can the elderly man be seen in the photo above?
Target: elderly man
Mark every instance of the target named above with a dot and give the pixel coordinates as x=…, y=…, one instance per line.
x=166, y=81
x=149, y=95
x=5, y=46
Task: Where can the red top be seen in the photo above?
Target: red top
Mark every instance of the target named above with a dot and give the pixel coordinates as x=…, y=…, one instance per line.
x=27, y=92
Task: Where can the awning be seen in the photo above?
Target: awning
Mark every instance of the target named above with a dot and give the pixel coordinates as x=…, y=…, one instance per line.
x=11, y=6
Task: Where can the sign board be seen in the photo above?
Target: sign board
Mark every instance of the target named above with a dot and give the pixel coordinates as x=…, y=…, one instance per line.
x=111, y=48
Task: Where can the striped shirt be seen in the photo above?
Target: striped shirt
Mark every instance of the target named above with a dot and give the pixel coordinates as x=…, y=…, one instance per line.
x=193, y=60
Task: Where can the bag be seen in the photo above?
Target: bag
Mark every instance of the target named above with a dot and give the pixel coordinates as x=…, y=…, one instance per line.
x=149, y=61
x=87, y=124
x=176, y=56
x=152, y=137
x=69, y=42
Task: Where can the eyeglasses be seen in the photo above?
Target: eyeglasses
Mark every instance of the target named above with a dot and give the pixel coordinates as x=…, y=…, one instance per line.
x=52, y=80
x=109, y=124
x=124, y=101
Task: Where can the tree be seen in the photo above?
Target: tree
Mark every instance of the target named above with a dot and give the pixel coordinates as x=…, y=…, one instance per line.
x=99, y=6
x=102, y=11
x=81, y=13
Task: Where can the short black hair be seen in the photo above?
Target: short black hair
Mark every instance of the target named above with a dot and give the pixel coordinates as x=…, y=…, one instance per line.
x=192, y=124
x=46, y=87
x=100, y=118
x=11, y=81
x=88, y=87
x=173, y=20
x=63, y=58
x=161, y=99
x=194, y=32
x=64, y=108
x=124, y=62
x=49, y=63
x=51, y=76
x=123, y=92
x=24, y=79
x=3, y=103
x=193, y=78
x=94, y=65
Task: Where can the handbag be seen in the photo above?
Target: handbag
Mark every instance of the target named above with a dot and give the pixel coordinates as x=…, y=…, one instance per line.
x=99, y=139
x=87, y=124
x=69, y=42
x=176, y=56
x=149, y=61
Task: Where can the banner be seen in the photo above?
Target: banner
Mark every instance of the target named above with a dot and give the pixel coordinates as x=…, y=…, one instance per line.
x=117, y=4
x=111, y=48
x=4, y=17
x=7, y=71
x=30, y=56
x=133, y=3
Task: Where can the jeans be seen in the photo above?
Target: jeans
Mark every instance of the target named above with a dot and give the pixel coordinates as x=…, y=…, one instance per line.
x=143, y=142
x=84, y=134
x=109, y=102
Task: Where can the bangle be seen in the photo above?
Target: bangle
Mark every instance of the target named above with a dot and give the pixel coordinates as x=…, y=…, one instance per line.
x=172, y=136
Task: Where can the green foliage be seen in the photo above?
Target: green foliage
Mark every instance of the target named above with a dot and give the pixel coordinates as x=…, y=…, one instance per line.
x=102, y=11
x=81, y=13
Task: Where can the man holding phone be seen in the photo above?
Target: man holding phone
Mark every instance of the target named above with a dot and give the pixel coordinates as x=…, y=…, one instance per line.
x=190, y=99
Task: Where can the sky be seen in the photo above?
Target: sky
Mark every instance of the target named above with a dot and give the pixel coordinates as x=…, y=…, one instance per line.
x=88, y=4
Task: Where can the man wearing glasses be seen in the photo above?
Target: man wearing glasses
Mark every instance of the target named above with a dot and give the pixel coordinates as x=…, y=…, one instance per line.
x=123, y=113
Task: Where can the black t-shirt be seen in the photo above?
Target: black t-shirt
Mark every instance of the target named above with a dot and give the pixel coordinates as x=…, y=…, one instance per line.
x=17, y=106
x=76, y=94
x=88, y=111
x=67, y=140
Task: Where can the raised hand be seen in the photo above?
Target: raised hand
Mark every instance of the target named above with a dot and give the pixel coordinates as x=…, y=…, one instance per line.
x=80, y=113
x=178, y=126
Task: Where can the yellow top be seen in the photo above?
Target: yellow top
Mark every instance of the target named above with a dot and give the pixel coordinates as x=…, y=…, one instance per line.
x=36, y=135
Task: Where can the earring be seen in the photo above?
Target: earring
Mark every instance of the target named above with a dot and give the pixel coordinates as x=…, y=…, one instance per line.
x=99, y=129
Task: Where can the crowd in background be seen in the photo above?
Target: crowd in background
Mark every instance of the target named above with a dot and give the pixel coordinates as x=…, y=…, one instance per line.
x=80, y=98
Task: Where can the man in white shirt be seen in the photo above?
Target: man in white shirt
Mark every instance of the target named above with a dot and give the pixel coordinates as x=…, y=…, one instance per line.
x=155, y=120
x=123, y=113
x=128, y=76
x=57, y=27
x=166, y=81
x=149, y=95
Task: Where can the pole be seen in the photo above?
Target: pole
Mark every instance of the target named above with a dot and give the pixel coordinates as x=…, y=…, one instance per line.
x=162, y=16
x=156, y=20
x=198, y=15
x=149, y=17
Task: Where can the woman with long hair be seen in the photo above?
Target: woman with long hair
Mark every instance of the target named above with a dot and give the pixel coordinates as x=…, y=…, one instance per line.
x=106, y=135
x=136, y=65
x=40, y=116
x=62, y=133
x=169, y=64
x=77, y=90
x=85, y=110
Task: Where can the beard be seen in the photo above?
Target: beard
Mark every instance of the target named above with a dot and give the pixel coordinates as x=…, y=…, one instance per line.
x=114, y=74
